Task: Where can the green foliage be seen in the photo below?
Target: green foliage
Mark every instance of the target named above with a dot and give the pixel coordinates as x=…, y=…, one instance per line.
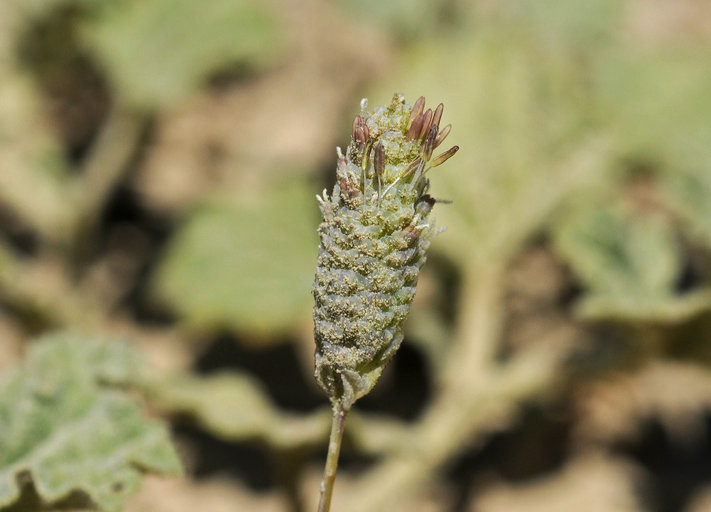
x=30, y=155
x=585, y=169
x=406, y=18
x=64, y=421
x=158, y=51
x=234, y=406
x=656, y=103
x=244, y=265
x=688, y=192
x=629, y=264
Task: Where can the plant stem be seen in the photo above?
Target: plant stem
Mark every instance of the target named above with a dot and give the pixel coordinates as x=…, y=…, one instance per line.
x=334, y=449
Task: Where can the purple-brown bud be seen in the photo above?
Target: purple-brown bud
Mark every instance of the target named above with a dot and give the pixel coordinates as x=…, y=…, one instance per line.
x=379, y=159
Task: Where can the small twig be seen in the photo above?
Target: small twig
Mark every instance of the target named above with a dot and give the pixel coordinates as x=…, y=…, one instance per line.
x=334, y=449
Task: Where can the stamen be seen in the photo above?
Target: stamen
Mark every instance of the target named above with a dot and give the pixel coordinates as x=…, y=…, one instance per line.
x=379, y=159
x=428, y=144
x=426, y=123
x=417, y=108
x=411, y=168
x=415, y=127
x=440, y=159
x=379, y=166
x=443, y=135
x=437, y=117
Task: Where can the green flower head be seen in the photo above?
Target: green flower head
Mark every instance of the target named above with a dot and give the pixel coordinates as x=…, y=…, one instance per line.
x=374, y=236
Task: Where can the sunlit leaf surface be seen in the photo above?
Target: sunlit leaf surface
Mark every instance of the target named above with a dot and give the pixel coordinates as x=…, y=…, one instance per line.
x=245, y=265
x=157, y=51
x=64, y=423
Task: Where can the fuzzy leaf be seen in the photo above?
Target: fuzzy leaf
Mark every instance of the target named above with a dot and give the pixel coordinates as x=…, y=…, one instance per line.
x=233, y=406
x=656, y=102
x=157, y=51
x=30, y=158
x=628, y=264
x=246, y=264
x=689, y=192
x=61, y=423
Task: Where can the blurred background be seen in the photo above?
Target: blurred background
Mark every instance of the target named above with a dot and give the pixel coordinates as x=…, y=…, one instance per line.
x=158, y=166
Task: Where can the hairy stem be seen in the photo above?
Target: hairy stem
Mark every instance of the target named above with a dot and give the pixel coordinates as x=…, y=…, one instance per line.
x=334, y=449
x=105, y=165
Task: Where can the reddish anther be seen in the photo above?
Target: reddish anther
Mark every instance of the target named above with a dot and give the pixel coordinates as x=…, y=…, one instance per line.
x=379, y=159
x=418, y=107
x=440, y=159
x=426, y=123
x=415, y=128
x=443, y=135
x=437, y=117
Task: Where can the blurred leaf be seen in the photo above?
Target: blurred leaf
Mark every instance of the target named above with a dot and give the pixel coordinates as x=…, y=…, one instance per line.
x=582, y=24
x=629, y=265
x=234, y=406
x=33, y=178
x=158, y=51
x=657, y=103
x=519, y=112
x=247, y=265
x=406, y=18
x=62, y=423
x=689, y=193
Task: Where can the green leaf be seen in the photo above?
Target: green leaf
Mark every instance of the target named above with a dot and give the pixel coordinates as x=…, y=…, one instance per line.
x=245, y=264
x=579, y=23
x=34, y=182
x=408, y=19
x=234, y=406
x=628, y=264
x=656, y=101
x=158, y=51
x=689, y=193
x=63, y=422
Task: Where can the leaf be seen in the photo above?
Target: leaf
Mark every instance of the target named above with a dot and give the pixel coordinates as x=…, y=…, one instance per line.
x=406, y=18
x=656, y=101
x=233, y=406
x=688, y=192
x=628, y=264
x=157, y=51
x=31, y=160
x=584, y=25
x=246, y=265
x=63, y=421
